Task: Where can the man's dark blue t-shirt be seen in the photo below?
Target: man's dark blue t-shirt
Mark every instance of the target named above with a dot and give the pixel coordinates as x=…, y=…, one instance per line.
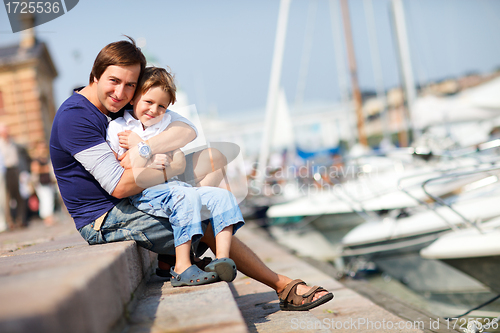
x=79, y=129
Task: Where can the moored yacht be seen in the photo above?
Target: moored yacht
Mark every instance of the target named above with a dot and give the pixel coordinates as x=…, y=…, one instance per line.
x=475, y=251
x=393, y=244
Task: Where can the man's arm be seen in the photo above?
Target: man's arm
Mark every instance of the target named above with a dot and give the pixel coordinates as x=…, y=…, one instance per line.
x=137, y=178
x=101, y=162
x=175, y=136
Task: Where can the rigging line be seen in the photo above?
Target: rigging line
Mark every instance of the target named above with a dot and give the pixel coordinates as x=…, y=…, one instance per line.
x=377, y=66
x=477, y=307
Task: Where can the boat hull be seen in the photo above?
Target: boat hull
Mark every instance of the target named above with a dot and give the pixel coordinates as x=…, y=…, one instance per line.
x=484, y=269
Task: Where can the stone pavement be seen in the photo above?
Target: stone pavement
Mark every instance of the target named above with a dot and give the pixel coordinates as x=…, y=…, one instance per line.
x=260, y=308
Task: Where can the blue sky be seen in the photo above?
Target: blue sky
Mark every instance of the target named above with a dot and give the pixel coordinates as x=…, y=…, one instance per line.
x=221, y=50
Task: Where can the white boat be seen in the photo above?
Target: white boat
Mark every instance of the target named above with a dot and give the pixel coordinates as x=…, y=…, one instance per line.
x=376, y=190
x=346, y=206
x=394, y=244
x=474, y=251
x=424, y=225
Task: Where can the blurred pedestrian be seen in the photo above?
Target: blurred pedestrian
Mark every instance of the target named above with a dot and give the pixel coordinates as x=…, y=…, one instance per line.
x=43, y=182
x=16, y=206
x=3, y=208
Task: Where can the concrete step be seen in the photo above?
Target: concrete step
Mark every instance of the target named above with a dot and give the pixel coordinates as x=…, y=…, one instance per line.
x=65, y=285
x=208, y=308
x=51, y=283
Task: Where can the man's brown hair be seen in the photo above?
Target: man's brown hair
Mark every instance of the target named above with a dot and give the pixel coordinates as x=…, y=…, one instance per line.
x=157, y=77
x=122, y=53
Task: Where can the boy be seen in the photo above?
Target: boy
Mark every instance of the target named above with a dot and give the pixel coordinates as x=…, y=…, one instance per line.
x=176, y=200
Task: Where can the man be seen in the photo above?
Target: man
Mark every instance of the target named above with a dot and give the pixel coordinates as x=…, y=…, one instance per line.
x=94, y=185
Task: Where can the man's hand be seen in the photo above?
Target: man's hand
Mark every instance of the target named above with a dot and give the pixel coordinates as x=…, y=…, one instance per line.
x=178, y=164
x=128, y=139
x=160, y=162
x=131, y=159
x=125, y=161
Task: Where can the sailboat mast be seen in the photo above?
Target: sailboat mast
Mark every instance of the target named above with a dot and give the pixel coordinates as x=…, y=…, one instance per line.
x=405, y=61
x=356, y=94
x=338, y=46
x=273, y=91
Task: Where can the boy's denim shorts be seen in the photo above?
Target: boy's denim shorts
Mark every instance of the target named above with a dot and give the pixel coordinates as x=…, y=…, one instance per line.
x=188, y=206
x=125, y=222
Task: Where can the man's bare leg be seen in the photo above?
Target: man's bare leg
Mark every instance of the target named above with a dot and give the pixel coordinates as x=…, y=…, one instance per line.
x=249, y=264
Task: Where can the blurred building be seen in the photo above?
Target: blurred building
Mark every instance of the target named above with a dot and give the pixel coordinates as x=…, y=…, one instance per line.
x=27, y=103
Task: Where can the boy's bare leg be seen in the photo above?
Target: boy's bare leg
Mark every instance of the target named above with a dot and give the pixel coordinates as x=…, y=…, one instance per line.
x=182, y=257
x=249, y=264
x=207, y=167
x=223, y=242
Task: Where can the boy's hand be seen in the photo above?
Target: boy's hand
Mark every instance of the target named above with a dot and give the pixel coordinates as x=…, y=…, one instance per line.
x=128, y=139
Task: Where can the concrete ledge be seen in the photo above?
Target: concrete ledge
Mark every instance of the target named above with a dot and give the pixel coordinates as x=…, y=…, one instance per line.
x=208, y=308
x=65, y=285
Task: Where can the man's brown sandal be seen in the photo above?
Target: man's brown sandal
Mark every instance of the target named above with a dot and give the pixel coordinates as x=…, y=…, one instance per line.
x=291, y=301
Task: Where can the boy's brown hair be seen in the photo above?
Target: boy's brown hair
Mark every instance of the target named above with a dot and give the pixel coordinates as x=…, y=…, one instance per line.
x=157, y=77
x=122, y=53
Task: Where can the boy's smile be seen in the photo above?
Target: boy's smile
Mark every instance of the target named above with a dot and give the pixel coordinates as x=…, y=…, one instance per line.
x=150, y=107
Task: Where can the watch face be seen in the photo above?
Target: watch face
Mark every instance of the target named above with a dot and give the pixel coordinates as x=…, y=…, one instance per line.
x=144, y=150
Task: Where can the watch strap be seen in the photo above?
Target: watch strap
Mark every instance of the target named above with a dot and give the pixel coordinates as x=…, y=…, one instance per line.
x=165, y=174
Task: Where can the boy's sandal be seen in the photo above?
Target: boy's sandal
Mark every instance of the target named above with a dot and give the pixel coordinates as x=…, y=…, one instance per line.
x=225, y=268
x=170, y=260
x=202, y=263
x=291, y=301
x=193, y=276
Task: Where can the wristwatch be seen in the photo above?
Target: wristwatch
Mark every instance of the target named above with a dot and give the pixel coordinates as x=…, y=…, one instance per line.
x=144, y=150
